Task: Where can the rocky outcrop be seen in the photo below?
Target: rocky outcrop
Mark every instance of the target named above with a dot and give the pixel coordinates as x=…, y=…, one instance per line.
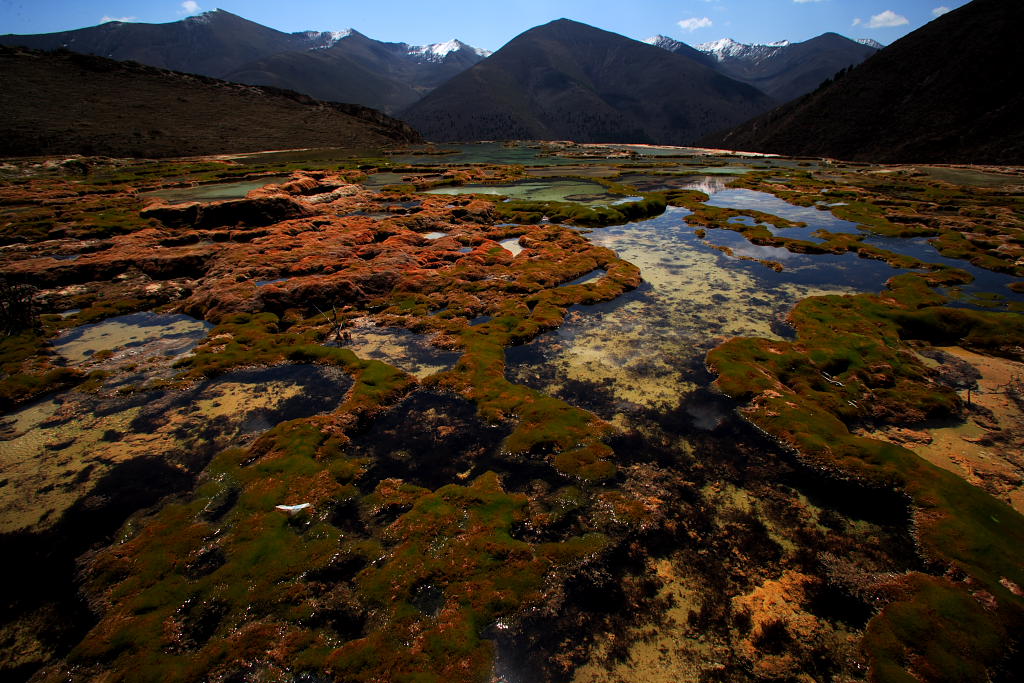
x=255, y=212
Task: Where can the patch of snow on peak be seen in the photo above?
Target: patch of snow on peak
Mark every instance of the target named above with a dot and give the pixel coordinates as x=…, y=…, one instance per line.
x=870, y=42
x=203, y=18
x=325, y=39
x=720, y=48
x=664, y=42
x=437, y=52
x=727, y=48
x=442, y=49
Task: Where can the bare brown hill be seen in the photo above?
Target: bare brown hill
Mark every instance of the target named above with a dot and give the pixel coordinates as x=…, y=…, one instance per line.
x=67, y=103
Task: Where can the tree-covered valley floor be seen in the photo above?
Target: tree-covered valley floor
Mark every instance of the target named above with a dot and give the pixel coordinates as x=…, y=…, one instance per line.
x=275, y=437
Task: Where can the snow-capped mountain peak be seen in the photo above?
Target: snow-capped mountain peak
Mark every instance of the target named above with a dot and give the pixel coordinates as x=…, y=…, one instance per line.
x=870, y=42
x=664, y=42
x=321, y=40
x=727, y=48
x=721, y=47
x=438, y=51
x=335, y=36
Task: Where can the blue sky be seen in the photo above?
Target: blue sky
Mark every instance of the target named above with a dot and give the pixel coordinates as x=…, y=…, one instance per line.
x=491, y=23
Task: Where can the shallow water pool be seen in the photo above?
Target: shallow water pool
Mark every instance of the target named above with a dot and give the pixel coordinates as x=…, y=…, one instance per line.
x=546, y=190
x=137, y=334
x=214, y=192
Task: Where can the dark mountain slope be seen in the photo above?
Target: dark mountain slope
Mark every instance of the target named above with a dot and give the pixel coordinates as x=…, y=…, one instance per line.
x=211, y=44
x=948, y=92
x=567, y=80
x=796, y=69
x=68, y=103
x=680, y=48
x=337, y=67
x=358, y=69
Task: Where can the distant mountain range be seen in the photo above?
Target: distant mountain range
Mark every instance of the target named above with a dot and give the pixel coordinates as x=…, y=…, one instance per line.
x=918, y=100
x=727, y=48
x=680, y=48
x=567, y=80
x=782, y=70
x=343, y=66
x=69, y=103
x=564, y=80
x=386, y=76
x=348, y=66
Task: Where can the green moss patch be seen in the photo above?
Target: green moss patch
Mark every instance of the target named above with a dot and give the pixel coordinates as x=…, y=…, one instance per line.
x=849, y=365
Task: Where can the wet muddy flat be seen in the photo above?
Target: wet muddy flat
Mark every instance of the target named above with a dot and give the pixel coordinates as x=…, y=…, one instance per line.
x=974, y=178
x=987, y=449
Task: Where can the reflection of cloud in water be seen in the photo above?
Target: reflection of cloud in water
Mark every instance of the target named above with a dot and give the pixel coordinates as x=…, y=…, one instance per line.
x=708, y=185
x=706, y=416
x=592, y=276
x=766, y=253
x=769, y=203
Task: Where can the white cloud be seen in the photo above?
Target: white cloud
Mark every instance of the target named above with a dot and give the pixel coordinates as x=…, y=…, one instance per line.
x=803, y=1
x=694, y=23
x=190, y=7
x=105, y=19
x=939, y=11
x=858, y=21
x=887, y=19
